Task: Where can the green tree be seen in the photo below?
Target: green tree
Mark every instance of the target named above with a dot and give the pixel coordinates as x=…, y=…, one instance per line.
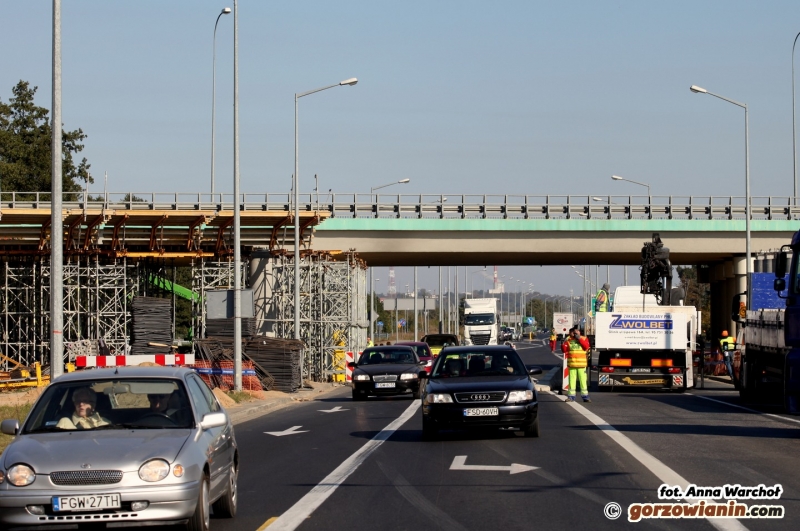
x=25, y=146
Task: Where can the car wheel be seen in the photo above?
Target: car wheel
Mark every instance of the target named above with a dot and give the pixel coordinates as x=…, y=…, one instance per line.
x=359, y=396
x=226, y=506
x=533, y=429
x=429, y=430
x=418, y=392
x=200, y=520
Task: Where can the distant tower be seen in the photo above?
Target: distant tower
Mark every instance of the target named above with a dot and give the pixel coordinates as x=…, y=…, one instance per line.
x=495, y=279
x=392, y=287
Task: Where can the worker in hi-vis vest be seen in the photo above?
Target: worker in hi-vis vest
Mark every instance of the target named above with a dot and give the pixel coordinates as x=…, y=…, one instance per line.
x=727, y=345
x=574, y=348
x=601, y=301
x=553, y=338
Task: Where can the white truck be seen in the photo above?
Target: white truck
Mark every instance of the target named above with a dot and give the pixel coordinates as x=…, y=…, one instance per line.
x=562, y=322
x=641, y=344
x=480, y=322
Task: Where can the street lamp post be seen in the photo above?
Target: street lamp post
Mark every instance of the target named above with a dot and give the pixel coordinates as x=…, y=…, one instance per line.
x=347, y=82
x=372, y=190
x=618, y=178
x=225, y=11
x=237, y=226
x=701, y=90
x=794, y=129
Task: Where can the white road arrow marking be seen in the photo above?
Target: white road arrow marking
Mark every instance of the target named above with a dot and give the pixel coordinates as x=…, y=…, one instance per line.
x=334, y=410
x=460, y=463
x=290, y=431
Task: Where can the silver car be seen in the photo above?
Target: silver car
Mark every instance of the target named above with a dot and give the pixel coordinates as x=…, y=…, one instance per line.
x=120, y=447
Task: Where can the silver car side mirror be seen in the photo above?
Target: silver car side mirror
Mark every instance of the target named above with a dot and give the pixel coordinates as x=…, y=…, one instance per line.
x=10, y=427
x=213, y=420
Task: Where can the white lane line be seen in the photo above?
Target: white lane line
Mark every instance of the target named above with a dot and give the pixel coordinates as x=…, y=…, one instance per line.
x=301, y=510
x=745, y=408
x=659, y=469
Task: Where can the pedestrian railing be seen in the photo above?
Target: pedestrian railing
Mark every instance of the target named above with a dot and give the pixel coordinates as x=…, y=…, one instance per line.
x=427, y=206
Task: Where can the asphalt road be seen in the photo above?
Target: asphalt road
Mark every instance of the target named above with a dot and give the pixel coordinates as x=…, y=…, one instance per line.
x=400, y=482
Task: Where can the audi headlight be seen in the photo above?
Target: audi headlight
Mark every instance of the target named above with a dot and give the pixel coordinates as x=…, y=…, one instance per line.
x=362, y=377
x=154, y=470
x=409, y=376
x=438, y=398
x=21, y=475
x=520, y=396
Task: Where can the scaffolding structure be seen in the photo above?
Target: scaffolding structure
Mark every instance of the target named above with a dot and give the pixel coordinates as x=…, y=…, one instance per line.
x=208, y=275
x=333, y=308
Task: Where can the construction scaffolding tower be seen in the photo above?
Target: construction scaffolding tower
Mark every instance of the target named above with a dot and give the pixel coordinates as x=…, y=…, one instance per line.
x=207, y=275
x=333, y=308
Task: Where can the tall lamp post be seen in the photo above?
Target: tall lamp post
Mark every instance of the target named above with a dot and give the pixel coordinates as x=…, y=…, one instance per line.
x=372, y=190
x=225, y=11
x=618, y=178
x=56, y=227
x=346, y=82
x=794, y=129
x=701, y=90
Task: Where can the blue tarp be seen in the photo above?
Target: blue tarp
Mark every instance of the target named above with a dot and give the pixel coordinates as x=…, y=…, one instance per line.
x=764, y=297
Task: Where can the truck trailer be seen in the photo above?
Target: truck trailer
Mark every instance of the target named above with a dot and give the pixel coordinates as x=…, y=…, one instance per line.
x=767, y=365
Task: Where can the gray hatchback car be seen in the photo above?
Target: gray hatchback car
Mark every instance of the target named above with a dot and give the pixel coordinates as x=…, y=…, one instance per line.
x=121, y=447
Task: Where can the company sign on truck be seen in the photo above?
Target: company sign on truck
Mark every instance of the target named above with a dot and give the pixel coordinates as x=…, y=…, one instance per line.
x=562, y=322
x=623, y=330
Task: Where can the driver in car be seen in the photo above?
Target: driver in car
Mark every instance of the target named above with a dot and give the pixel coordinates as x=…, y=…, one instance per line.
x=160, y=403
x=84, y=417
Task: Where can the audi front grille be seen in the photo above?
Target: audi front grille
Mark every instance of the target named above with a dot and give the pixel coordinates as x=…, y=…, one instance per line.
x=489, y=397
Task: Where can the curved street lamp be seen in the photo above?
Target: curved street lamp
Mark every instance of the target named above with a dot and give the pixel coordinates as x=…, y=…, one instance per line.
x=618, y=178
x=225, y=11
x=701, y=90
x=347, y=82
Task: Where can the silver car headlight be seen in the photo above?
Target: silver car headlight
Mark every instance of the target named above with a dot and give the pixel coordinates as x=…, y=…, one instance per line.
x=21, y=475
x=438, y=398
x=154, y=470
x=520, y=396
x=409, y=376
x=362, y=377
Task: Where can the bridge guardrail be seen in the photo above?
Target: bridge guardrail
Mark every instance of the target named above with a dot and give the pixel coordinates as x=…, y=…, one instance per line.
x=429, y=206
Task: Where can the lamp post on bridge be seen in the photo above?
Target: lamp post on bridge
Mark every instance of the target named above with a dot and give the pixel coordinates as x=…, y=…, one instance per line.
x=618, y=178
x=372, y=190
x=701, y=90
x=347, y=82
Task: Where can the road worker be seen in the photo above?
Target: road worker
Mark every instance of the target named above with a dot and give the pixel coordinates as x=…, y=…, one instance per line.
x=370, y=343
x=601, y=301
x=553, y=338
x=727, y=345
x=575, y=348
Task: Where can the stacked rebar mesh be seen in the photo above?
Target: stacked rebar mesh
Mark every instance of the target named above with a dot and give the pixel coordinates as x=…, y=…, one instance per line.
x=224, y=327
x=281, y=358
x=276, y=361
x=152, y=325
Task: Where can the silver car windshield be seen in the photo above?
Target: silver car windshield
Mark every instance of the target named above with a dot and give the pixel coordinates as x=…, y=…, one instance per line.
x=112, y=405
x=478, y=363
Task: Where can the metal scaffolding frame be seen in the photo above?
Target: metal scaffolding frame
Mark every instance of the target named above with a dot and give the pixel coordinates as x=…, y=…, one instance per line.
x=208, y=275
x=333, y=308
x=24, y=303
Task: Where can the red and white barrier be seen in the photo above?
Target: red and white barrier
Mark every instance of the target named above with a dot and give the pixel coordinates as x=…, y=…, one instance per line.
x=122, y=361
x=348, y=372
x=565, y=373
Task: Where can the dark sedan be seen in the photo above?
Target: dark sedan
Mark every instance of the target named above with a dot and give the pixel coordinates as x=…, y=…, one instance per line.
x=423, y=351
x=480, y=387
x=388, y=370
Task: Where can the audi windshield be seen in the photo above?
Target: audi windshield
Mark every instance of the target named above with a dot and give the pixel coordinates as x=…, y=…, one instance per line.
x=478, y=363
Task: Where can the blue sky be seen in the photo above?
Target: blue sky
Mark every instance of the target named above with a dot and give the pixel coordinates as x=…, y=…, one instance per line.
x=459, y=96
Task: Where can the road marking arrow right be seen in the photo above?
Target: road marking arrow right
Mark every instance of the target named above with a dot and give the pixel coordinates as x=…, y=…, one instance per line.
x=334, y=410
x=460, y=463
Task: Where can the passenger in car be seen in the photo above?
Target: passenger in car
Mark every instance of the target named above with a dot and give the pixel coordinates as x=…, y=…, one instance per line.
x=84, y=417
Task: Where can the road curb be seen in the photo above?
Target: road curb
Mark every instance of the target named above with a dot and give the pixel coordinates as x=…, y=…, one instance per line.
x=547, y=381
x=260, y=408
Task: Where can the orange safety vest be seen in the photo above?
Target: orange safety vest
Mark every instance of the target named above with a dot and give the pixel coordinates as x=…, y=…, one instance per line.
x=576, y=356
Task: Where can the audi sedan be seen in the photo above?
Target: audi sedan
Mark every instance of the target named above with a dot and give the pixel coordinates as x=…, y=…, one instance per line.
x=122, y=447
x=388, y=370
x=480, y=387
